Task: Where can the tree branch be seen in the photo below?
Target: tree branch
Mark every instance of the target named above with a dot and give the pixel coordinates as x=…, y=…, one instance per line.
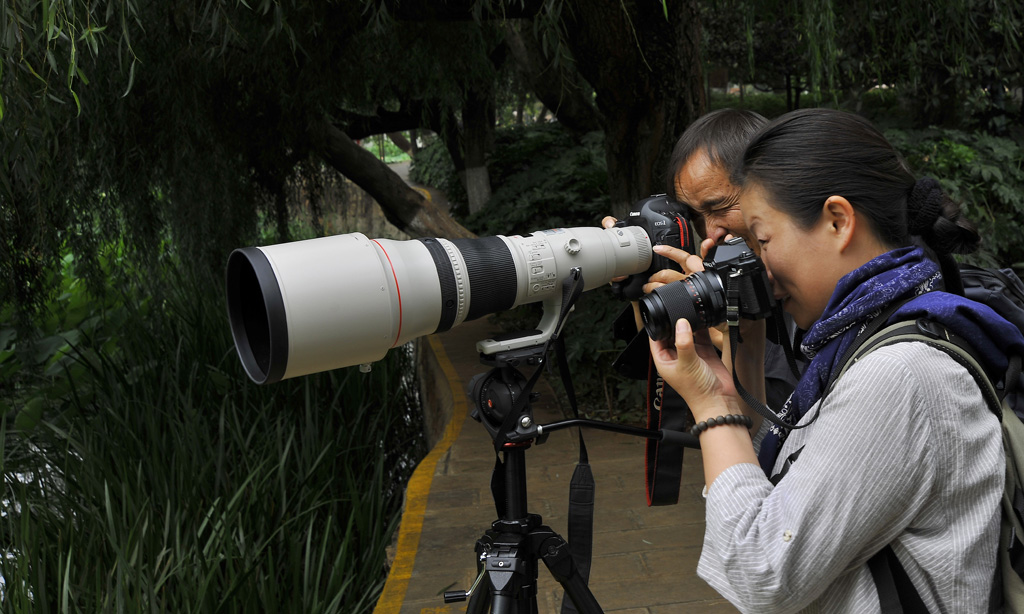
x=559, y=89
x=403, y=206
x=357, y=126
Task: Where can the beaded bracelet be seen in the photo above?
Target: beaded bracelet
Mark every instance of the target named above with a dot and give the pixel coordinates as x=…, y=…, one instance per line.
x=700, y=427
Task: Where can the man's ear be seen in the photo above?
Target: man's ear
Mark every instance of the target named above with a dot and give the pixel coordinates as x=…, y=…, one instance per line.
x=841, y=218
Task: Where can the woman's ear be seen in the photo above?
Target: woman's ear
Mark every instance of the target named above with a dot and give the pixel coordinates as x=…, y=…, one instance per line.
x=841, y=218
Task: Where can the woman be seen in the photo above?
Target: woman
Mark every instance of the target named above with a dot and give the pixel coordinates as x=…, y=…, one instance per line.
x=905, y=451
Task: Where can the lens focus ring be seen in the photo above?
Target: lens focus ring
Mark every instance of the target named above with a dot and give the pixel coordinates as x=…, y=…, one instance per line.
x=698, y=299
x=664, y=306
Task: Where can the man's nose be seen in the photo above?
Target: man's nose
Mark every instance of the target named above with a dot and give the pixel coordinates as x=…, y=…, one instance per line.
x=716, y=232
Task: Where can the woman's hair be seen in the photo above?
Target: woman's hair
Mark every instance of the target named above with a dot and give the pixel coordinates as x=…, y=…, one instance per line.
x=805, y=156
x=721, y=134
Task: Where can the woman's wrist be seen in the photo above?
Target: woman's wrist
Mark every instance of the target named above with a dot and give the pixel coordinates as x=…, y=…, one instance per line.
x=715, y=410
x=726, y=420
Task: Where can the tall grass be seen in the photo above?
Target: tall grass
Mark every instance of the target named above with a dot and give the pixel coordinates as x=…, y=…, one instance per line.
x=144, y=473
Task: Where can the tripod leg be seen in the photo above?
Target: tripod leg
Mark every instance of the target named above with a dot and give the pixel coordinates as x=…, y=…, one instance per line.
x=480, y=599
x=555, y=553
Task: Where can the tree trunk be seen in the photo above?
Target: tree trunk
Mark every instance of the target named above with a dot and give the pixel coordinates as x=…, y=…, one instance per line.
x=403, y=206
x=477, y=142
x=400, y=141
x=628, y=59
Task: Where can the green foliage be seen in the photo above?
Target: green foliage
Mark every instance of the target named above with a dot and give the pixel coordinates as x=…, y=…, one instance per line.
x=382, y=147
x=432, y=166
x=542, y=179
x=767, y=104
x=539, y=175
x=185, y=121
x=954, y=62
x=984, y=173
x=144, y=473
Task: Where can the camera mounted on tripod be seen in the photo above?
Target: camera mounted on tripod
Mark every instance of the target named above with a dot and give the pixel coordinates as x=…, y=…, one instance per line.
x=666, y=222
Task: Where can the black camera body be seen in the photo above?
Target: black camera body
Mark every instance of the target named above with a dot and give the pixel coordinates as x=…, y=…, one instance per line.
x=702, y=298
x=666, y=222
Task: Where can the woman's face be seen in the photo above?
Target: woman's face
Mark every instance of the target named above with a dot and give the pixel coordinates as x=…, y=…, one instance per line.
x=803, y=264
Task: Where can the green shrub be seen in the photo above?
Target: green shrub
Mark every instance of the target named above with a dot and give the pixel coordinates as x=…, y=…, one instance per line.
x=984, y=173
x=432, y=166
x=541, y=179
x=768, y=104
x=143, y=472
x=382, y=147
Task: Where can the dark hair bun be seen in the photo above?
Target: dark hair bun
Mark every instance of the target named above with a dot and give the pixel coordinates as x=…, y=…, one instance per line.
x=937, y=219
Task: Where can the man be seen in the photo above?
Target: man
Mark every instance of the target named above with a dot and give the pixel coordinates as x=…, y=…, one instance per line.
x=699, y=172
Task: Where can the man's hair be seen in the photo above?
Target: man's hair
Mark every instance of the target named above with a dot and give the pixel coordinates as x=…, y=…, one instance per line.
x=721, y=134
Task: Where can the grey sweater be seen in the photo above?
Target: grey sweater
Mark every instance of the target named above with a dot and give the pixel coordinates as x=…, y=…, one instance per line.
x=905, y=452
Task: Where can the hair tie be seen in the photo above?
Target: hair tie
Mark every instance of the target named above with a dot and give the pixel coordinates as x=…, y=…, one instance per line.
x=924, y=205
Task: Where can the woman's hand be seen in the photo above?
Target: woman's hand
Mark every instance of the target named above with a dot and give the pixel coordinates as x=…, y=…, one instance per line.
x=691, y=365
x=689, y=263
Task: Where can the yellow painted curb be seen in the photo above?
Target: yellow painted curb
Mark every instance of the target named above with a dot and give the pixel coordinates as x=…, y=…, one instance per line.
x=416, y=493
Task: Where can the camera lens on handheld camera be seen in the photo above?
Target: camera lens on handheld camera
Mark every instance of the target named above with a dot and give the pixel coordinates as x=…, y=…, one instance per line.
x=699, y=299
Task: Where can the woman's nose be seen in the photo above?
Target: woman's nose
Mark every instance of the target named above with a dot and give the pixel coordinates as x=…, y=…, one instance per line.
x=771, y=278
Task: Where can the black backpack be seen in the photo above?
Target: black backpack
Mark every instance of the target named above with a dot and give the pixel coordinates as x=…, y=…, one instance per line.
x=1003, y=291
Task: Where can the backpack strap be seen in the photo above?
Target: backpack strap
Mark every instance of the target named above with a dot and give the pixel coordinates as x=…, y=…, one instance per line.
x=935, y=335
x=896, y=592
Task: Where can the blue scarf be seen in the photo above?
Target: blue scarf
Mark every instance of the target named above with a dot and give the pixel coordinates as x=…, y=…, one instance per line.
x=861, y=295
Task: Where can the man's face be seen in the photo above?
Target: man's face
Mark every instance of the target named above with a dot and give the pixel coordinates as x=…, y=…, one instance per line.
x=705, y=188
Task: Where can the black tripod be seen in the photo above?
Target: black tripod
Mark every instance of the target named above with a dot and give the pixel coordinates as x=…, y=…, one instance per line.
x=508, y=552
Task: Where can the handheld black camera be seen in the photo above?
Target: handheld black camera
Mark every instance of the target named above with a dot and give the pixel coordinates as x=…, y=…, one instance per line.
x=702, y=298
x=666, y=222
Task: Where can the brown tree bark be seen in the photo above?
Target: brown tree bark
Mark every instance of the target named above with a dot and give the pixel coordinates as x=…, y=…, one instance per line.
x=400, y=141
x=403, y=206
x=477, y=140
x=647, y=75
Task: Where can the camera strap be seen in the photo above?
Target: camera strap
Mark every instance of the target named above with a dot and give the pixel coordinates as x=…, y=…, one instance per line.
x=664, y=408
x=663, y=462
x=732, y=318
x=582, y=491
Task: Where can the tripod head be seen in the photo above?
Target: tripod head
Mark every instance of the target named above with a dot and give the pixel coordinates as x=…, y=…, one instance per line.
x=501, y=402
x=502, y=396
